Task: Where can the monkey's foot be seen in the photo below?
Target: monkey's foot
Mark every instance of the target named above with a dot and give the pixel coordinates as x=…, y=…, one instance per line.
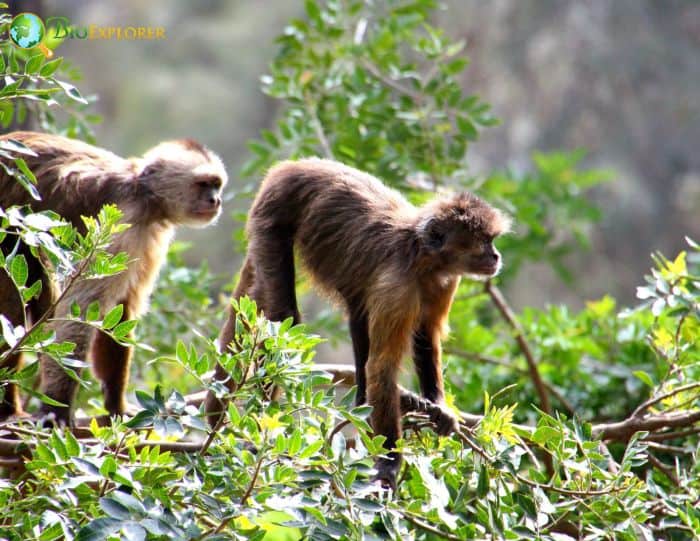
x=387, y=471
x=51, y=417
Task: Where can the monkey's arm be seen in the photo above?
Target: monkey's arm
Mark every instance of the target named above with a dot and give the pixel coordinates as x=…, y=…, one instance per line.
x=427, y=354
x=110, y=361
x=427, y=357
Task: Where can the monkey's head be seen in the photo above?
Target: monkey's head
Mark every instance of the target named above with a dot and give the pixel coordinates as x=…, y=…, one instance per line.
x=185, y=180
x=456, y=235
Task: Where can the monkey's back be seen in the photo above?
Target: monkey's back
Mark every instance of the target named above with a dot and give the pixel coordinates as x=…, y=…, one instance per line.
x=63, y=165
x=345, y=224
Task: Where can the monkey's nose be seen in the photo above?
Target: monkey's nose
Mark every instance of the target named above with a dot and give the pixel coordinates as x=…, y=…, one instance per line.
x=215, y=201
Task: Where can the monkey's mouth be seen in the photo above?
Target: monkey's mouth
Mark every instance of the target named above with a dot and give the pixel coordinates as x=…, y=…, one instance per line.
x=485, y=271
x=205, y=214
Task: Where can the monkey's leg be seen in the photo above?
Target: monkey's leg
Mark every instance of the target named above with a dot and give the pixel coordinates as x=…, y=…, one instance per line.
x=383, y=396
x=213, y=406
x=111, y=361
x=360, y=344
x=427, y=359
x=12, y=308
x=274, y=287
x=389, y=336
x=56, y=383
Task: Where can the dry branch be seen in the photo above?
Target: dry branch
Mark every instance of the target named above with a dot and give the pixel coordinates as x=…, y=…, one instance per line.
x=512, y=320
x=660, y=425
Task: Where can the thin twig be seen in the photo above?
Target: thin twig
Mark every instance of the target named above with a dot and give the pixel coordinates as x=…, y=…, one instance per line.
x=663, y=436
x=499, y=362
x=71, y=282
x=509, y=316
x=673, y=449
x=655, y=400
x=428, y=527
x=623, y=430
x=213, y=432
x=663, y=468
x=253, y=480
x=567, y=491
x=391, y=83
x=312, y=110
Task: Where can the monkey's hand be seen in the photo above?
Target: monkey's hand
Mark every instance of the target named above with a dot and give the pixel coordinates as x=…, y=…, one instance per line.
x=446, y=422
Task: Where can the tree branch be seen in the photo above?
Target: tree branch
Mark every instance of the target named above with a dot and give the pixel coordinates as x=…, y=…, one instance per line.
x=509, y=316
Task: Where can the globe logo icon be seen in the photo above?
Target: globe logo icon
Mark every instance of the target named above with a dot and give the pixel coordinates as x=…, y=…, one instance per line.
x=27, y=30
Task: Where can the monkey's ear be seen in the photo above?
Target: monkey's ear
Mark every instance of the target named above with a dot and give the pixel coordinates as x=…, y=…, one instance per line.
x=149, y=169
x=431, y=234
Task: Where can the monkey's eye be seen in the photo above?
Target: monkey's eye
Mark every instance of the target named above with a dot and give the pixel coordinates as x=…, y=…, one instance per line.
x=209, y=182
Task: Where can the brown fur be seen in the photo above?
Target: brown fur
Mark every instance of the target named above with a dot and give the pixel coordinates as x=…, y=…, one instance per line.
x=393, y=266
x=177, y=182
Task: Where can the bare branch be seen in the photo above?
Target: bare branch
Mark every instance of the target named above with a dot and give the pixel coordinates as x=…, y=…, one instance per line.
x=655, y=400
x=499, y=362
x=509, y=316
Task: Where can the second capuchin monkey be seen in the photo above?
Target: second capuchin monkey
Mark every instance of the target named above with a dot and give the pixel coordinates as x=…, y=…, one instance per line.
x=174, y=183
x=394, y=267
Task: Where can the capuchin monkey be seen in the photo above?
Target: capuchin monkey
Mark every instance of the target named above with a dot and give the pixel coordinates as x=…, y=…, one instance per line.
x=174, y=183
x=393, y=266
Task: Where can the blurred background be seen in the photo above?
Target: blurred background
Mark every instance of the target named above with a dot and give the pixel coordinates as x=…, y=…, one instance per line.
x=619, y=78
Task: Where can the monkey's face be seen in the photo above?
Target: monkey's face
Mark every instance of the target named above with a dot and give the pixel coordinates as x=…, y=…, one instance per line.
x=481, y=259
x=187, y=181
x=458, y=236
x=473, y=254
x=204, y=201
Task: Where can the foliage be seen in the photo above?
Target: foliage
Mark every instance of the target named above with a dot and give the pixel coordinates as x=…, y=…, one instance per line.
x=35, y=84
x=74, y=258
x=614, y=457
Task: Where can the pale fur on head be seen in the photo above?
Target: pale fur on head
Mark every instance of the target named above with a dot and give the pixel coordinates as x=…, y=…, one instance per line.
x=170, y=171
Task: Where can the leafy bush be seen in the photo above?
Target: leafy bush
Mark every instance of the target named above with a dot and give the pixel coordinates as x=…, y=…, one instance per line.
x=589, y=419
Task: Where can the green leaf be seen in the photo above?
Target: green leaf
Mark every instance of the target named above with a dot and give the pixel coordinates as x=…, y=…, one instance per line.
x=32, y=292
x=26, y=178
x=93, y=311
x=143, y=419
x=34, y=63
x=313, y=11
x=19, y=270
x=72, y=445
x=50, y=67
x=114, y=509
x=482, y=486
x=124, y=328
x=544, y=434
x=644, y=377
x=113, y=317
x=453, y=67
x=99, y=529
